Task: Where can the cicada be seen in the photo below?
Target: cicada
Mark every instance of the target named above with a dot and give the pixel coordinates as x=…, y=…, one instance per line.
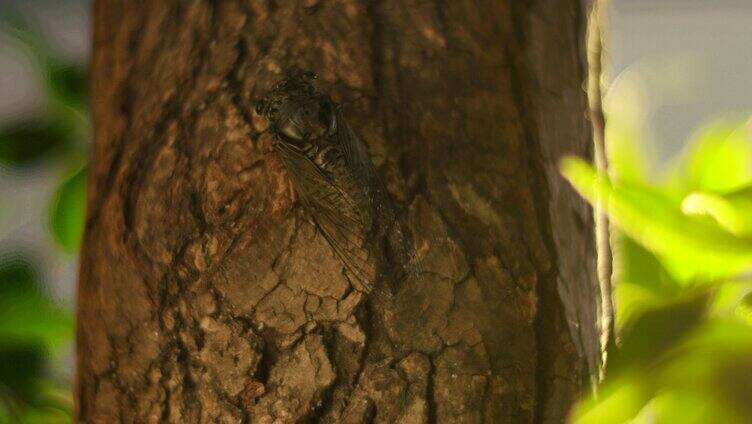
x=335, y=179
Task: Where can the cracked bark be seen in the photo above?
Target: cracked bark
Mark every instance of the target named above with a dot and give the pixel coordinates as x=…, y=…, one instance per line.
x=207, y=296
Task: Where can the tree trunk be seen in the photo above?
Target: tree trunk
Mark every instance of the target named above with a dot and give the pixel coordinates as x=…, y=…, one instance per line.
x=206, y=294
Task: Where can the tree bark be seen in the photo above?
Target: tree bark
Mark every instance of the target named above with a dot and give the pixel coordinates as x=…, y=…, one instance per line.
x=206, y=295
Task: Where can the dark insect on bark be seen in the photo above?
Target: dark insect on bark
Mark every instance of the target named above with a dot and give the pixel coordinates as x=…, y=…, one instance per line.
x=335, y=180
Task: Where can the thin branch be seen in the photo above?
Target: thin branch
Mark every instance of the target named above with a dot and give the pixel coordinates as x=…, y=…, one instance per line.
x=602, y=230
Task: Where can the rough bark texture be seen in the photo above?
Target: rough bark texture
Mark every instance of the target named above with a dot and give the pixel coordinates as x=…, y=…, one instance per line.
x=207, y=296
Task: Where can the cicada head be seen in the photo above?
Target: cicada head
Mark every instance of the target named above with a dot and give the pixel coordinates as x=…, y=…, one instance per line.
x=299, y=114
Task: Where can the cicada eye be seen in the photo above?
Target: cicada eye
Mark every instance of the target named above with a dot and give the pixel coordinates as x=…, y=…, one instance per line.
x=291, y=132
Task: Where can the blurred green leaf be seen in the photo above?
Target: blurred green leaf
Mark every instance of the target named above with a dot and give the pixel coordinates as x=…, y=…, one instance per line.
x=716, y=361
x=689, y=247
x=732, y=211
x=16, y=411
x=719, y=159
x=682, y=256
x=627, y=160
x=617, y=402
x=20, y=367
x=31, y=328
x=46, y=415
x=55, y=396
x=26, y=142
x=50, y=404
x=63, y=127
x=704, y=376
x=743, y=308
x=634, y=377
x=26, y=317
x=721, y=336
x=655, y=331
x=68, y=211
x=640, y=280
x=67, y=82
x=685, y=404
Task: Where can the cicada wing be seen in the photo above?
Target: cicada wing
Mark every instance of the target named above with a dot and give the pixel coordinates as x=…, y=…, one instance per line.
x=337, y=215
x=353, y=150
x=354, y=256
x=358, y=160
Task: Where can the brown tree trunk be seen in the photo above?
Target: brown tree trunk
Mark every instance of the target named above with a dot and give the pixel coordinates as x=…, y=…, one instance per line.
x=206, y=295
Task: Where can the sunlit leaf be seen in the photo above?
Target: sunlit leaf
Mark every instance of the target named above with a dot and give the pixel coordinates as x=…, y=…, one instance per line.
x=722, y=335
x=639, y=266
x=743, y=308
x=682, y=256
x=732, y=211
x=719, y=159
x=627, y=160
x=68, y=211
x=688, y=404
x=618, y=402
x=689, y=247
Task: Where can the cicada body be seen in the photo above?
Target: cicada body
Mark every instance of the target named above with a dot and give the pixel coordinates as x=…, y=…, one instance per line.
x=335, y=179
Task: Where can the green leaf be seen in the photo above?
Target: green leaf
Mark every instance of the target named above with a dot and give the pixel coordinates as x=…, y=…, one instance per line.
x=65, y=80
x=68, y=211
x=46, y=415
x=743, y=307
x=732, y=211
x=627, y=160
x=689, y=247
x=704, y=376
x=657, y=330
x=617, y=402
x=20, y=366
x=721, y=336
x=716, y=361
x=26, y=317
x=31, y=328
x=67, y=83
x=64, y=125
x=687, y=405
x=719, y=159
x=24, y=143
x=640, y=280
